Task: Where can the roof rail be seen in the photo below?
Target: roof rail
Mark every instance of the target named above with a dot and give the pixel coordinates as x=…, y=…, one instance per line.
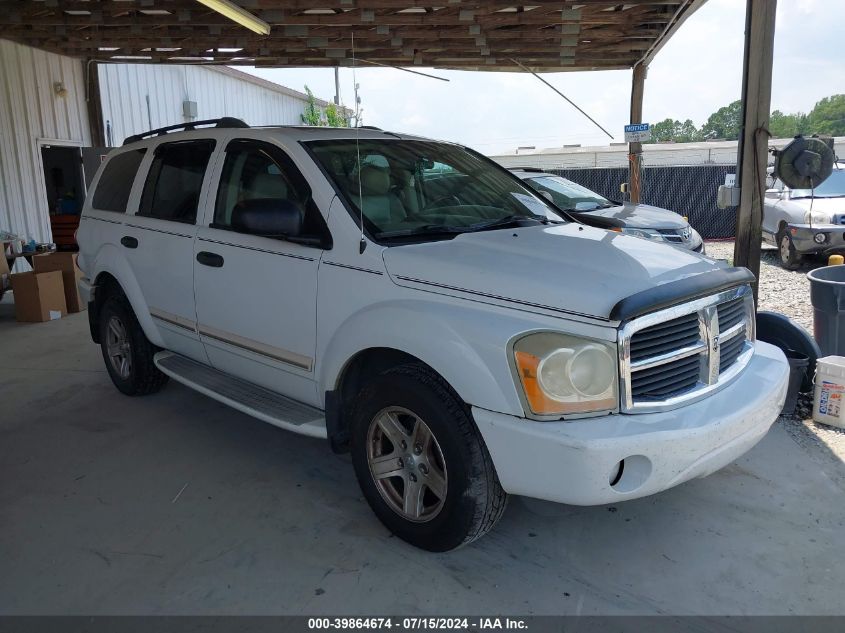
x=224, y=122
x=534, y=170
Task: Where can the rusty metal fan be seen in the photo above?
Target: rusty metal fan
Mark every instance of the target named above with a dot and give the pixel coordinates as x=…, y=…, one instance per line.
x=806, y=162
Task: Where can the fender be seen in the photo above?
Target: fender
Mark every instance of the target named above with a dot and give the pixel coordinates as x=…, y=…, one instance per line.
x=110, y=260
x=466, y=344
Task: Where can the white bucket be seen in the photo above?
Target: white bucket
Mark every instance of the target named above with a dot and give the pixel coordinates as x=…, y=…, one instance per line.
x=829, y=393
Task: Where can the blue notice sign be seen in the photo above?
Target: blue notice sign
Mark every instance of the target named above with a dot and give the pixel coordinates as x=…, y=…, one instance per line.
x=637, y=132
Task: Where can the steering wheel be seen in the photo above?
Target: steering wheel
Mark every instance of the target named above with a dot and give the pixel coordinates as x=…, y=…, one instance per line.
x=437, y=202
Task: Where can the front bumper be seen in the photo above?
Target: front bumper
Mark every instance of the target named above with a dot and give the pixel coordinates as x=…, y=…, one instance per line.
x=574, y=462
x=803, y=238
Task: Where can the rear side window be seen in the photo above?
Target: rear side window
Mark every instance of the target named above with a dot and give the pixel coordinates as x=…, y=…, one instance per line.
x=172, y=190
x=113, y=189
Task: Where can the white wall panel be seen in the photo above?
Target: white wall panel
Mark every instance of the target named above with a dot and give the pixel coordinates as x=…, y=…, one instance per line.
x=654, y=155
x=31, y=111
x=217, y=91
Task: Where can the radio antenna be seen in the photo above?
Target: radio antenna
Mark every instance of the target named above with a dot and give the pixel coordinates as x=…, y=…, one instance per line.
x=362, y=245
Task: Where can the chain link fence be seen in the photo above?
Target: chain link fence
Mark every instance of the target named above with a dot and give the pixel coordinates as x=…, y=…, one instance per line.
x=687, y=190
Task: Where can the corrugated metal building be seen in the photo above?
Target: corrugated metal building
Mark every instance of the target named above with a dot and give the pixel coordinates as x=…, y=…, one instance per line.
x=654, y=155
x=44, y=120
x=139, y=97
x=34, y=112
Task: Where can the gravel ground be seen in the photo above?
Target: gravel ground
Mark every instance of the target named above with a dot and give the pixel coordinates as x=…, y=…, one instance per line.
x=789, y=292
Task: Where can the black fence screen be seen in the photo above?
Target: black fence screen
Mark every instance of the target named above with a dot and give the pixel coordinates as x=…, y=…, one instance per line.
x=690, y=191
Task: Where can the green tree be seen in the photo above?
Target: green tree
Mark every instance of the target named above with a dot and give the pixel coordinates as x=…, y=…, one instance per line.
x=828, y=116
x=670, y=130
x=724, y=123
x=334, y=117
x=787, y=125
x=312, y=115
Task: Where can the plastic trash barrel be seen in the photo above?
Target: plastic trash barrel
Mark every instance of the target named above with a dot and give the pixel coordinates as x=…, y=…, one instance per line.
x=827, y=294
x=798, y=364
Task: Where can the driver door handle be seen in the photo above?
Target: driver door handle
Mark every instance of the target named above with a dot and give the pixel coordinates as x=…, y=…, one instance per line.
x=210, y=259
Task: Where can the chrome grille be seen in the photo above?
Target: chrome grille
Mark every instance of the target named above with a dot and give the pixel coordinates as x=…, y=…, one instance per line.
x=676, y=236
x=682, y=353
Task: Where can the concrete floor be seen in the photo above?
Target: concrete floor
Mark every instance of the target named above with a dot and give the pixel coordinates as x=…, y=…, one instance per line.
x=92, y=520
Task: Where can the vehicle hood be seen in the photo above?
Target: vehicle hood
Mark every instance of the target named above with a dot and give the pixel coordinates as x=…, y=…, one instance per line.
x=826, y=205
x=568, y=268
x=641, y=216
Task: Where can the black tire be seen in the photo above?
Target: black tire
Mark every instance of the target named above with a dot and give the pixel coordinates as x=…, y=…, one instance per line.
x=789, y=258
x=141, y=377
x=474, y=499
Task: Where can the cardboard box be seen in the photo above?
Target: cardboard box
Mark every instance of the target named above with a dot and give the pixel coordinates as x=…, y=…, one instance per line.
x=66, y=264
x=39, y=296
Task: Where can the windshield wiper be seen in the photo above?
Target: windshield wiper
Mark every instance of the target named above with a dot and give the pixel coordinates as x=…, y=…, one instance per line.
x=426, y=229
x=509, y=221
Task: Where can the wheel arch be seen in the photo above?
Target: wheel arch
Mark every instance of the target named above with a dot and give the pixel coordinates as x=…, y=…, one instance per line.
x=113, y=273
x=443, y=338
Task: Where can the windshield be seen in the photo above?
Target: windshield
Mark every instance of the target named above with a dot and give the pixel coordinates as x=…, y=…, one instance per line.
x=569, y=195
x=833, y=187
x=423, y=188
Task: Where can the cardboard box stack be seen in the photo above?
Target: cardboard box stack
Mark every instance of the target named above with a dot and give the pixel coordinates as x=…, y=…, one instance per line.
x=39, y=296
x=65, y=263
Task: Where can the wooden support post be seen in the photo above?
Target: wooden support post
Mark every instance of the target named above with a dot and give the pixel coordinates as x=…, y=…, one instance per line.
x=635, y=150
x=94, y=104
x=752, y=157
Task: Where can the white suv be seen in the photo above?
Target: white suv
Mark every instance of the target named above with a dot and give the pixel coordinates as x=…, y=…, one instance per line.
x=419, y=306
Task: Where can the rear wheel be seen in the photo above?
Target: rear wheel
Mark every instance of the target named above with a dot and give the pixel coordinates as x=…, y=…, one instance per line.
x=789, y=257
x=421, y=462
x=127, y=352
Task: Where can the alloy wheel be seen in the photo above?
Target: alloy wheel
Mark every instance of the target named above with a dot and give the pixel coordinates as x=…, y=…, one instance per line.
x=406, y=464
x=118, y=347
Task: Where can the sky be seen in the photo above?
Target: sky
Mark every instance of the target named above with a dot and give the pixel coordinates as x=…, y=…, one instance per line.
x=697, y=72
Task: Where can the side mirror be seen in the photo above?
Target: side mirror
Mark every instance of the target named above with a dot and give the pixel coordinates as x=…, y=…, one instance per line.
x=268, y=217
x=773, y=193
x=547, y=196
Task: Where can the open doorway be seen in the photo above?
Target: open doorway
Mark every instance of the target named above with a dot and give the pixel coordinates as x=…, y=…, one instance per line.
x=65, y=189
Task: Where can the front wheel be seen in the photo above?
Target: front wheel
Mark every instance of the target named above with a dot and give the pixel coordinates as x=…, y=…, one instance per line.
x=127, y=352
x=789, y=257
x=421, y=462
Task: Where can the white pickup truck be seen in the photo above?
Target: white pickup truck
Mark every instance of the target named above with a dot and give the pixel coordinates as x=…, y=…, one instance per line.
x=464, y=342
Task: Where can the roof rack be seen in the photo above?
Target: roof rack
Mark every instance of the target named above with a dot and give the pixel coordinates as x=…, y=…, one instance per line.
x=223, y=122
x=535, y=170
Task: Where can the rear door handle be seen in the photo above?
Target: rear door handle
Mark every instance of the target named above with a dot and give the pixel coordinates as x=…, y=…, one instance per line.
x=129, y=242
x=210, y=259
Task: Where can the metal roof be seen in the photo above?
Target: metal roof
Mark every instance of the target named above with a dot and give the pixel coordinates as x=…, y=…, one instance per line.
x=459, y=34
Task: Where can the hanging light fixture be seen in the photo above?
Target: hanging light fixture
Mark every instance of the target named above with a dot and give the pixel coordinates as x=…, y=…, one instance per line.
x=238, y=14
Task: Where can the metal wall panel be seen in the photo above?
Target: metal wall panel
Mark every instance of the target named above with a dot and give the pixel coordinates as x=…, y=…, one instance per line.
x=31, y=111
x=654, y=155
x=140, y=97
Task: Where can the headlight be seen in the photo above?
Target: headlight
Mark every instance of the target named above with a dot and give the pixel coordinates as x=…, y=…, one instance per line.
x=649, y=234
x=562, y=374
x=816, y=217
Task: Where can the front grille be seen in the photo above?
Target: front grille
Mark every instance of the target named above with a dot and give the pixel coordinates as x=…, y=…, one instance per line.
x=663, y=338
x=671, y=235
x=675, y=355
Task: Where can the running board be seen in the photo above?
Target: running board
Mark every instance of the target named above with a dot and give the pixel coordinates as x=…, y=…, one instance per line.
x=246, y=397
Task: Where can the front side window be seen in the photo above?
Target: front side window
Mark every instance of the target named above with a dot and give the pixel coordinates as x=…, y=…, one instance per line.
x=115, y=184
x=172, y=190
x=569, y=195
x=419, y=188
x=256, y=171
